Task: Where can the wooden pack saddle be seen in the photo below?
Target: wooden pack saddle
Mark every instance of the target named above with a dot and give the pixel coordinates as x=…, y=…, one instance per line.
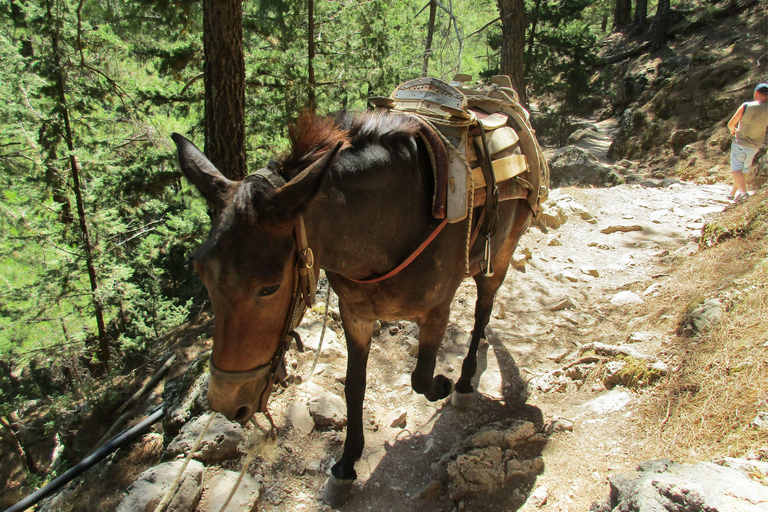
x=459, y=124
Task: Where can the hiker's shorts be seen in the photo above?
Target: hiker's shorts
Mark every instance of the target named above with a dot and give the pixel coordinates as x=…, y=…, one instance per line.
x=741, y=157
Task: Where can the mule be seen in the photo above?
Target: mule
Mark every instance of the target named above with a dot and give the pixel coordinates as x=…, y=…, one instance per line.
x=358, y=191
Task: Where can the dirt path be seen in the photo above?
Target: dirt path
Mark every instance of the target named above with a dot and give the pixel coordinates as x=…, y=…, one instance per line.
x=529, y=332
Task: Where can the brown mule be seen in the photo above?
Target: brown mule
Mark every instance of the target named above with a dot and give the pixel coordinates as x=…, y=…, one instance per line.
x=362, y=186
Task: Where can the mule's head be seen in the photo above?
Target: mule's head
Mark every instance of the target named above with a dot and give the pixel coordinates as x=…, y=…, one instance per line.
x=248, y=265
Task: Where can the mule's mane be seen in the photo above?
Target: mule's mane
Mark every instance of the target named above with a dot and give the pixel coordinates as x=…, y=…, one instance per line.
x=312, y=136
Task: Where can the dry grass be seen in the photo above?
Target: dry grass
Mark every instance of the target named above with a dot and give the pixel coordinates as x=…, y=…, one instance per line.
x=719, y=380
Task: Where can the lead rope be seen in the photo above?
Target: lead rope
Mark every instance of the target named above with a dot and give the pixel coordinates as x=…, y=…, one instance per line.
x=322, y=332
x=256, y=445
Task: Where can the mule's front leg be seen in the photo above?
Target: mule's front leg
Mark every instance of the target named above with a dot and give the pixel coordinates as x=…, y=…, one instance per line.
x=431, y=331
x=358, y=334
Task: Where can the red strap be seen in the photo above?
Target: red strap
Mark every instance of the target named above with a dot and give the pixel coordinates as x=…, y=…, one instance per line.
x=408, y=261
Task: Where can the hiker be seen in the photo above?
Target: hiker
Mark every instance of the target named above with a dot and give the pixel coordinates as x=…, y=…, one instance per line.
x=748, y=127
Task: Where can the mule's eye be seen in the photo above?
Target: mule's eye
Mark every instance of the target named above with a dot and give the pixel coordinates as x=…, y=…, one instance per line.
x=269, y=290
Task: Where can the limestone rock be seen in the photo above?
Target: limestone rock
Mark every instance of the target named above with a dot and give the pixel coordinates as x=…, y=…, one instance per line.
x=400, y=419
x=681, y=138
x=626, y=298
x=298, y=418
x=148, y=490
x=219, y=487
x=614, y=228
x=575, y=166
x=699, y=319
x=220, y=442
x=328, y=410
x=564, y=303
x=488, y=459
x=668, y=486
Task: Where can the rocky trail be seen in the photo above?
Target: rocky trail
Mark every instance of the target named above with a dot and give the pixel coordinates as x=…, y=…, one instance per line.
x=563, y=373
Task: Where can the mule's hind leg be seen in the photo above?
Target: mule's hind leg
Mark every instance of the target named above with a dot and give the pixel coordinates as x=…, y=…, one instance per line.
x=358, y=335
x=431, y=331
x=486, y=291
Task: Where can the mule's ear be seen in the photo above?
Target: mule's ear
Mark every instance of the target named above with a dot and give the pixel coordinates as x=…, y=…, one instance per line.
x=201, y=172
x=287, y=200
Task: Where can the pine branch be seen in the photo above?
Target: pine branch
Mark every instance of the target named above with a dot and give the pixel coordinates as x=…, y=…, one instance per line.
x=42, y=236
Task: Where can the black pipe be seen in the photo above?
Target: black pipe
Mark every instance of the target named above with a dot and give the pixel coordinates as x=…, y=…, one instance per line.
x=87, y=463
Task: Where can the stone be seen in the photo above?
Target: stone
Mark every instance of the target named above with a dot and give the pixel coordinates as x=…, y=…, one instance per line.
x=575, y=166
x=311, y=330
x=149, y=489
x=626, y=298
x=298, y=418
x=612, y=377
x=433, y=490
x=486, y=460
x=328, y=410
x=220, y=485
x=652, y=289
x=558, y=355
x=761, y=420
x=564, y=303
x=614, y=228
x=589, y=270
x=538, y=497
x=700, y=319
x=640, y=336
x=220, y=442
x=663, y=485
x=413, y=345
x=555, y=242
x=612, y=401
x=400, y=419
x=681, y=138
x=559, y=425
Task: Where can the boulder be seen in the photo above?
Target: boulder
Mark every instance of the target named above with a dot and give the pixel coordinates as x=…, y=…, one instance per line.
x=700, y=318
x=663, y=485
x=219, y=487
x=681, y=138
x=328, y=410
x=576, y=166
x=149, y=489
x=220, y=442
x=495, y=455
x=298, y=418
x=186, y=396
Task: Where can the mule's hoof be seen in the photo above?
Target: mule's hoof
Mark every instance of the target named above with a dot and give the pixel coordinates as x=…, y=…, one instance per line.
x=460, y=400
x=336, y=491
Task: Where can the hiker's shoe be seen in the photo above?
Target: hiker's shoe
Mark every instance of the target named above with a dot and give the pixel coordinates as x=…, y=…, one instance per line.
x=729, y=196
x=742, y=197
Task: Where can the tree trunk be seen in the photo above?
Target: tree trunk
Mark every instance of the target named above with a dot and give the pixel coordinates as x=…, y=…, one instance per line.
x=659, y=27
x=224, y=70
x=430, y=35
x=641, y=14
x=11, y=423
x=311, y=101
x=103, y=351
x=622, y=14
x=512, y=14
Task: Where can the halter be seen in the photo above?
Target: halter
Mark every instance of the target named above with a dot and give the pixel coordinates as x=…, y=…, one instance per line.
x=305, y=284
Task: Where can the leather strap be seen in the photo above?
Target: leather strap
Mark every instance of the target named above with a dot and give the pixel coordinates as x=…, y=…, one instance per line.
x=407, y=261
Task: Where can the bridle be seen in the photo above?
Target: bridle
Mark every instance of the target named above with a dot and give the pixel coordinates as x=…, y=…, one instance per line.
x=305, y=284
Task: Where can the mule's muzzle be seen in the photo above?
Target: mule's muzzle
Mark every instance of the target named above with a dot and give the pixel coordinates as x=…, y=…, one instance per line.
x=239, y=395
